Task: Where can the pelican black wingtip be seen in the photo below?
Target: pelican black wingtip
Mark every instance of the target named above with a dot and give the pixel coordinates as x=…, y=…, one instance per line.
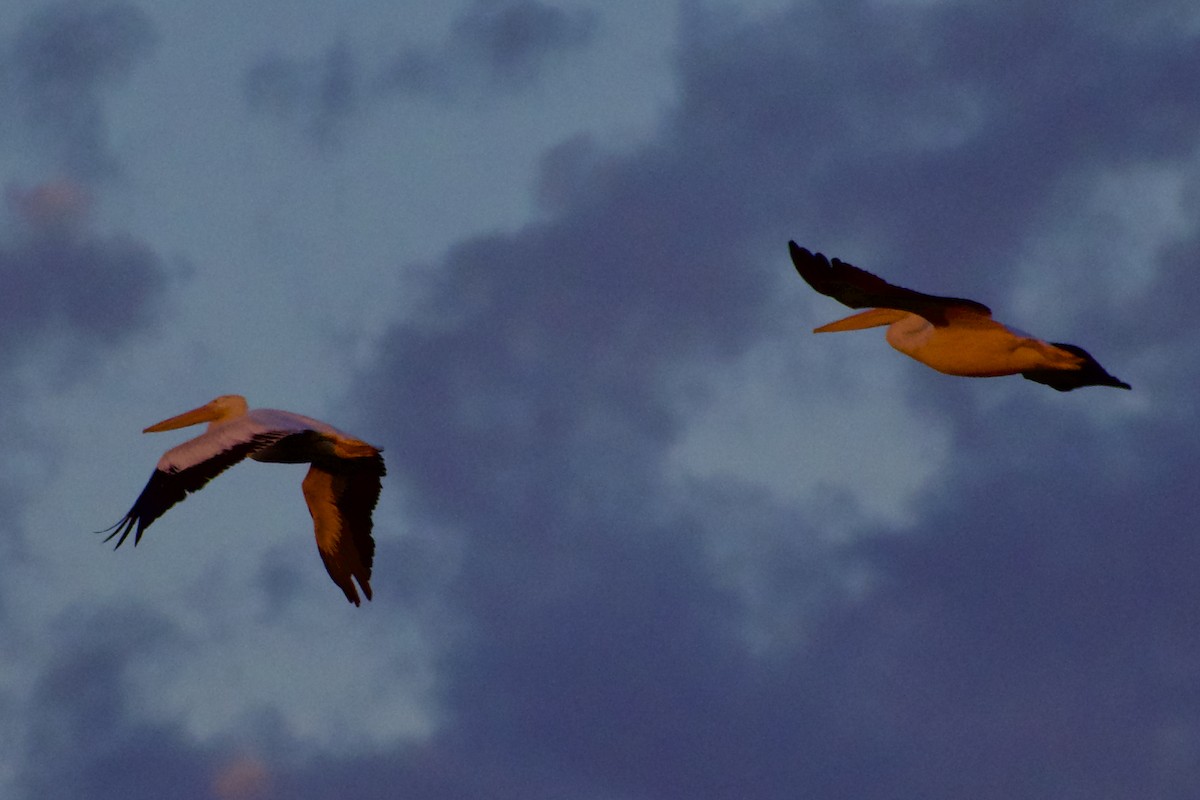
x=121, y=528
x=803, y=254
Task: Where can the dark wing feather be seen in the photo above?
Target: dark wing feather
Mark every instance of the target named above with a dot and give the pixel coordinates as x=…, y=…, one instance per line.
x=1064, y=380
x=858, y=288
x=168, y=487
x=341, y=495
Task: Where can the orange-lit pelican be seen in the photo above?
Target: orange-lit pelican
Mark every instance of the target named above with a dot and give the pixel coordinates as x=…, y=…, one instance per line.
x=951, y=335
x=341, y=488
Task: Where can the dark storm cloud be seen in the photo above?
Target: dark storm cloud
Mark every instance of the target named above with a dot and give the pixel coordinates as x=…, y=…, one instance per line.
x=57, y=67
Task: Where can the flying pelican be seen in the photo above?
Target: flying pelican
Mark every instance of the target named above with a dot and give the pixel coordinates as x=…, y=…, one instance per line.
x=341, y=487
x=951, y=335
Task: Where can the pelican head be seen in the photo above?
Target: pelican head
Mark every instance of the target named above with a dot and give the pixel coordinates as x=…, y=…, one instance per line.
x=222, y=408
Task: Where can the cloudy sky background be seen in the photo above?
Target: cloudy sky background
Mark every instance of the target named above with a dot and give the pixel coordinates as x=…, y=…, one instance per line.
x=643, y=535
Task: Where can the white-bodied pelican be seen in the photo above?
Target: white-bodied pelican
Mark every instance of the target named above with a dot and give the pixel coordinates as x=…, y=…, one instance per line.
x=341, y=487
x=949, y=334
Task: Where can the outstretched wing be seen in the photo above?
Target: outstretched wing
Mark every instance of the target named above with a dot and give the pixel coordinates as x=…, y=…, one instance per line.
x=858, y=288
x=187, y=468
x=341, y=494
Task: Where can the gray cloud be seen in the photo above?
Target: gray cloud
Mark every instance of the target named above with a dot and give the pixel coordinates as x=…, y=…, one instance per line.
x=1039, y=617
x=320, y=95
x=68, y=292
x=515, y=39
x=492, y=48
x=495, y=46
x=1029, y=635
x=63, y=279
x=68, y=296
x=1005, y=631
x=59, y=64
x=498, y=46
x=80, y=742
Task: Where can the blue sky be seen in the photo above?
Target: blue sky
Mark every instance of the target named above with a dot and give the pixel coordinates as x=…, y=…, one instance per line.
x=643, y=536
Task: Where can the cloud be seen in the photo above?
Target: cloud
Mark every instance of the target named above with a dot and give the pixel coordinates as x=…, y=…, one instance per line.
x=1033, y=617
x=496, y=48
x=532, y=408
x=320, y=95
x=69, y=291
x=81, y=742
x=243, y=777
x=616, y=634
x=62, y=277
x=65, y=280
x=71, y=294
x=59, y=204
x=515, y=40
x=59, y=64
